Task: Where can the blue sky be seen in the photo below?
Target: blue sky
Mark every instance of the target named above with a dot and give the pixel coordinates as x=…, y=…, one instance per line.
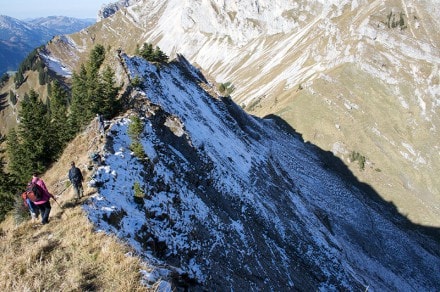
x=23, y=9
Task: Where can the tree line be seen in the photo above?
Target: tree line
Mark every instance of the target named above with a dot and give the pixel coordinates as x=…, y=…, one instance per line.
x=45, y=128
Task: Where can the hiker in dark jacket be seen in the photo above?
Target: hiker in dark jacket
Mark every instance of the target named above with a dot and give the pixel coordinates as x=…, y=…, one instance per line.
x=76, y=178
x=43, y=204
x=100, y=122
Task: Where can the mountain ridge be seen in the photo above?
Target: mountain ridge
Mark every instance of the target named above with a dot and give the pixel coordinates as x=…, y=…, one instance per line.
x=366, y=69
x=226, y=199
x=225, y=193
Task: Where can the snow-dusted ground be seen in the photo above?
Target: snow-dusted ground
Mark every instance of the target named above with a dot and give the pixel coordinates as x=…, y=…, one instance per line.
x=279, y=55
x=234, y=202
x=57, y=66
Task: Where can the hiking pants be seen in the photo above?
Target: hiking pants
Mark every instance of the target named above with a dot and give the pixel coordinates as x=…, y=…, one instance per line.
x=44, y=210
x=78, y=188
x=32, y=207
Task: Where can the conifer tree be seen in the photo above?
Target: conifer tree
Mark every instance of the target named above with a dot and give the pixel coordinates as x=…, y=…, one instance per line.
x=108, y=93
x=92, y=92
x=58, y=116
x=17, y=161
x=94, y=96
x=147, y=52
x=33, y=132
x=79, y=103
x=8, y=188
x=159, y=56
x=97, y=56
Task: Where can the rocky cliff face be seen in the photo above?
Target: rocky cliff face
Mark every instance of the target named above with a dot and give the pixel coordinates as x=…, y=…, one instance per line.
x=226, y=201
x=358, y=78
x=110, y=9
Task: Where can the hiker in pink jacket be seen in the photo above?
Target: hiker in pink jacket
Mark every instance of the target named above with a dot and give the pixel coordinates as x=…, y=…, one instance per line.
x=44, y=203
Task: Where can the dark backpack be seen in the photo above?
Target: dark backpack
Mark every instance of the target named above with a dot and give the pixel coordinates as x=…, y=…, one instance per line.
x=34, y=192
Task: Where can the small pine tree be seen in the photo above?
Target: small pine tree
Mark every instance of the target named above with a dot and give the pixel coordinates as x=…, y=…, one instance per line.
x=139, y=194
x=147, y=52
x=42, y=75
x=97, y=56
x=49, y=88
x=389, y=19
x=108, y=104
x=135, y=130
x=136, y=127
x=159, y=56
x=136, y=82
x=402, y=21
x=356, y=156
x=221, y=88
x=138, y=149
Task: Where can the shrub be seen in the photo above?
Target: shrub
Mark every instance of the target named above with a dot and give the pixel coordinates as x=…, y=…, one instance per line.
x=226, y=88
x=138, y=150
x=139, y=194
x=136, y=127
x=356, y=156
x=138, y=190
x=221, y=88
x=136, y=82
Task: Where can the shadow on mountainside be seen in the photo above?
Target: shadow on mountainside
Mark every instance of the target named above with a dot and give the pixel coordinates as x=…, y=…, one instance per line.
x=428, y=237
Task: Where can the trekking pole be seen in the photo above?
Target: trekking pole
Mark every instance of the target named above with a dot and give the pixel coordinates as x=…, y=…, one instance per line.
x=53, y=197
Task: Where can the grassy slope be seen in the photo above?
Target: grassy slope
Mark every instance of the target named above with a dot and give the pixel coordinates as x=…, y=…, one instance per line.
x=339, y=114
x=67, y=254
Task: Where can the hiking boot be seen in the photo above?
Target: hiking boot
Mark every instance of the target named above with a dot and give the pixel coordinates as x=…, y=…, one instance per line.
x=41, y=224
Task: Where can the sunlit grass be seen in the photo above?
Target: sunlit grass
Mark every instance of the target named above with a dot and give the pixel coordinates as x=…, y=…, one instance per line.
x=67, y=254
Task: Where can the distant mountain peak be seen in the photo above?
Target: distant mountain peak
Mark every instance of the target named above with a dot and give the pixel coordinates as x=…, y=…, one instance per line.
x=18, y=37
x=110, y=9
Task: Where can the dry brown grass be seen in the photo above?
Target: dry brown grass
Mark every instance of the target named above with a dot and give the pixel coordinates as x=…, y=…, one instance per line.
x=66, y=254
